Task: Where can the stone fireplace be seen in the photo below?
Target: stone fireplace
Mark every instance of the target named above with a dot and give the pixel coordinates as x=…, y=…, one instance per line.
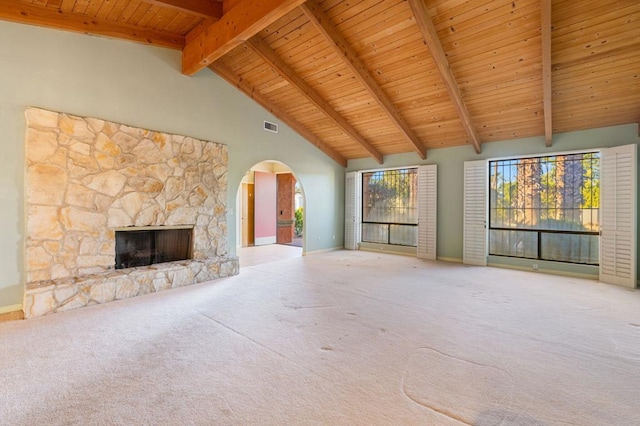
x=88, y=179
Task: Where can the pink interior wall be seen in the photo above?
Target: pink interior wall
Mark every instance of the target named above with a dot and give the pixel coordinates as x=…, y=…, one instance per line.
x=265, y=205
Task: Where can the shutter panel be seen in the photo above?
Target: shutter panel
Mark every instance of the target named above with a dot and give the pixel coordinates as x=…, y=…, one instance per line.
x=475, y=212
x=352, y=211
x=618, y=216
x=427, y=211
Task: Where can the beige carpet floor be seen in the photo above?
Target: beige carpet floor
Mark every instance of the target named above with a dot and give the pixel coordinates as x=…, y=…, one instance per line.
x=335, y=338
x=256, y=255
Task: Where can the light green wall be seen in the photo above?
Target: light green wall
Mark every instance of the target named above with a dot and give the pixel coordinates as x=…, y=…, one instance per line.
x=450, y=163
x=142, y=86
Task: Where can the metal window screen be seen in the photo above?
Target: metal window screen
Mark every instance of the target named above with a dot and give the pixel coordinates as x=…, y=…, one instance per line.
x=390, y=207
x=545, y=208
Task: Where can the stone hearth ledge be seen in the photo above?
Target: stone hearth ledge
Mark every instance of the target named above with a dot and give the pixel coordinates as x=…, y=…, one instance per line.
x=51, y=296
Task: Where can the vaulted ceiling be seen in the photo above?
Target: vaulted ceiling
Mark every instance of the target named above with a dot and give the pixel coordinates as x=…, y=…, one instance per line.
x=368, y=78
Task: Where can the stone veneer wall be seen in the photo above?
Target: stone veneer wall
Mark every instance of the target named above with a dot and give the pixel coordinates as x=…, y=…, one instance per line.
x=86, y=177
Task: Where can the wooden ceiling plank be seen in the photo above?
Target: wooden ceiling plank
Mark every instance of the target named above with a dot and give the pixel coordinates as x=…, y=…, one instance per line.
x=41, y=16
x=460, y=11
x=545, y=11
x=80, y=6
x=577, y=13
x=366, y=23
x=93, y=8
x=149, y=16
x=129, y=11
x=508, y=11
x=243, y=21
x=433, y=43
x=352, y=13
x=268, y=55
x=138, y=13
x=117, y=11
x=67, y=5
x=287, y=30
x=105, y=9
x=617, y=29
x=248, y=90
x=163, y=18
x=600, y=17
x=507, y=36
x=349, y=57
x=580, y=58
x=181, y=22
x=202, y=8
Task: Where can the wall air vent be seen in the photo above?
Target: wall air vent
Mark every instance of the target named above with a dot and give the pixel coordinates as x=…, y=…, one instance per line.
x=270, y=127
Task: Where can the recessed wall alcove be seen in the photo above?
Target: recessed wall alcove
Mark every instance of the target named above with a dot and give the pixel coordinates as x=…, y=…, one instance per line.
x=87, y=178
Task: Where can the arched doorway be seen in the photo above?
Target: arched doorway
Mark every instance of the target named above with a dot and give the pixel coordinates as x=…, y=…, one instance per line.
x=270, y=221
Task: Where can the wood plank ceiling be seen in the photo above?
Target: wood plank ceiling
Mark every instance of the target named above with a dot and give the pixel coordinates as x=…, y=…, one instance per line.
x=369, y=78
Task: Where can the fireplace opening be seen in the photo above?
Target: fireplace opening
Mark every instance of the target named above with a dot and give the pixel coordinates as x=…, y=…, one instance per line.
x=143, y=247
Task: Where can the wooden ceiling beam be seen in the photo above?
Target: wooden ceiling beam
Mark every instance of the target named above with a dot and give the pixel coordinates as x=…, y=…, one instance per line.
x=546, y=70
x=227, y=5
x=245, y=19
x=25, y=13
x=202, y=8
x=258, y=97
x=349, y=57
x=268, y=55
x=430, y=36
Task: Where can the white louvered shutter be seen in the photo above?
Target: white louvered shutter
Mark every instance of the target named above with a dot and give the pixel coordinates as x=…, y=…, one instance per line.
x=618, y=216
x=427, y=211
x=352, y=211
x=475, y=213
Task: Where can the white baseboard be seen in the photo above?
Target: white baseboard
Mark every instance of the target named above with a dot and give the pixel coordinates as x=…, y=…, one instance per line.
x=545, y=271
x=449, y=259
x=262, y=241
x=10, y=308
x=389, y=249
x=323, y=250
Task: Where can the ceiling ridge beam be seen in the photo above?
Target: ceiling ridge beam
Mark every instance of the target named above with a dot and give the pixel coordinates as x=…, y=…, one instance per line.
x=25, y=13
x=238, y=82
x=261, y=48
x=431, y=39
x=202, y=8
x=349, y=57
x=244, y=20
x=546, y=71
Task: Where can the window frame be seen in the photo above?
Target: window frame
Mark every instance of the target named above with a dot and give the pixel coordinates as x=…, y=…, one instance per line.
x=538, y=231
x=389, y=224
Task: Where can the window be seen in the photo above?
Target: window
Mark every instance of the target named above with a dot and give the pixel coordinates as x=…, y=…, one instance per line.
x=390, y=207
x=545, y=208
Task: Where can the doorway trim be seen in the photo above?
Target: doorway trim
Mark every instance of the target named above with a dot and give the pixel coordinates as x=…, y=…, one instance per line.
x=275, y=167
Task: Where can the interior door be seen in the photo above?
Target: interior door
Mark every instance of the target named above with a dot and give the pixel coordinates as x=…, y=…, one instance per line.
x=286, y=189
x=618, y=216
x=476, y=175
